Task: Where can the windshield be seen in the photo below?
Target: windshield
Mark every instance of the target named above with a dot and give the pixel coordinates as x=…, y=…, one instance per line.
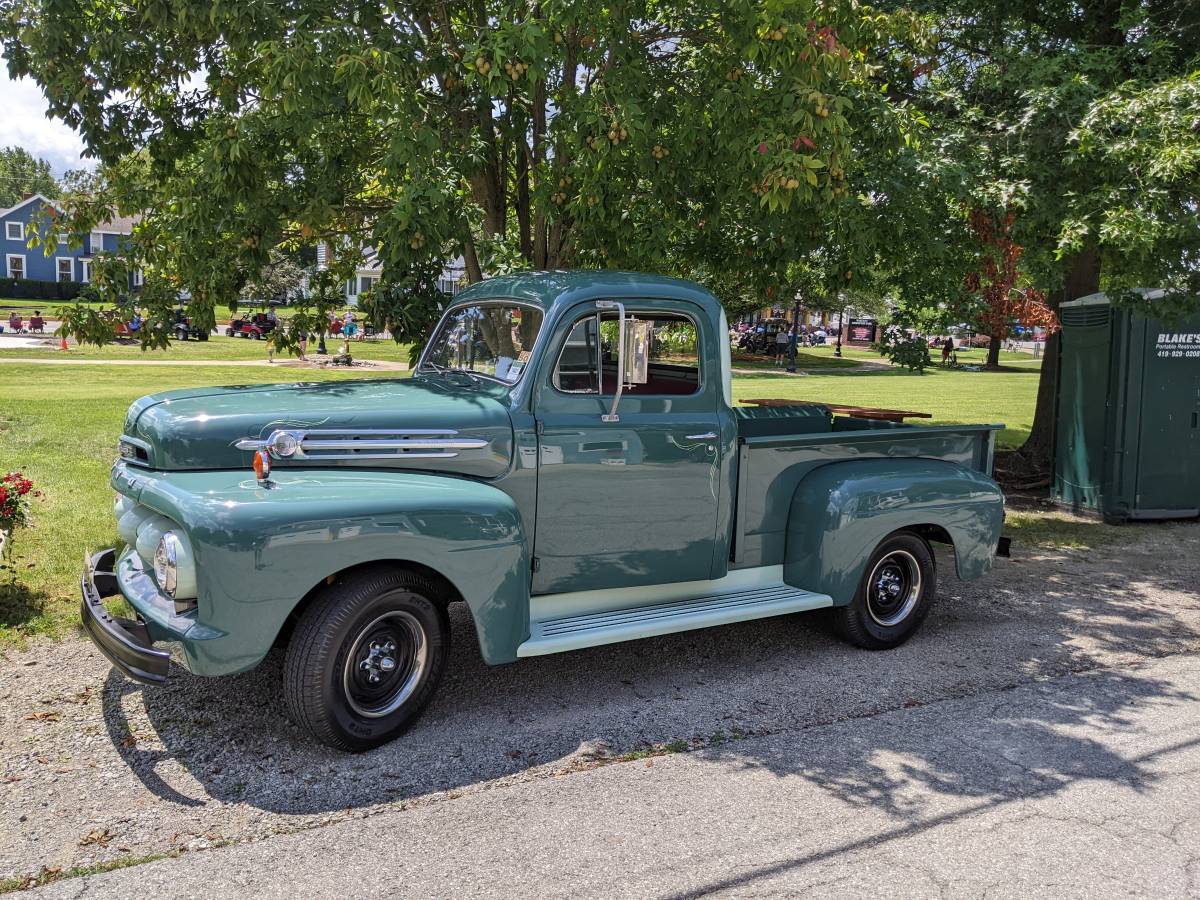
x=493, y=339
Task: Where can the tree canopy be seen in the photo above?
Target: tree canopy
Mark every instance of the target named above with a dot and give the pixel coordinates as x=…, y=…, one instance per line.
x=654, y=134
x=22, y=173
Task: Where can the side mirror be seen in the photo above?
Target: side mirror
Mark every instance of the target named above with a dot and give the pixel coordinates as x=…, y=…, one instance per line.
x=633, y=354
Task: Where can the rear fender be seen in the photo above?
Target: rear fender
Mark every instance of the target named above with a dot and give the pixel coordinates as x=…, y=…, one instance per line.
x=841, y=512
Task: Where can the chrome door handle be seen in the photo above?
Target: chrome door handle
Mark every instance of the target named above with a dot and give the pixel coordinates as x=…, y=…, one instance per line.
x=707, y=436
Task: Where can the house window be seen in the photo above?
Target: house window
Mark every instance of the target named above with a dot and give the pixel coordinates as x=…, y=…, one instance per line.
x=365, y=283
x=138, y=278
x=66, y=268
x=62, y=239
x=97, y=242
x=85, y=270
x=14, y=231
x=15, y=264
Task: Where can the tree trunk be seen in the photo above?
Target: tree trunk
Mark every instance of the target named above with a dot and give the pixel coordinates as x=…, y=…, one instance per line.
x=471, y=259
x=993, y=357
x=1082, y=278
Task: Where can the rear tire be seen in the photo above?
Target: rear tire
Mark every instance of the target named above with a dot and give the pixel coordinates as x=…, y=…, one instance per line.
x=366, y=657
x=895, y=595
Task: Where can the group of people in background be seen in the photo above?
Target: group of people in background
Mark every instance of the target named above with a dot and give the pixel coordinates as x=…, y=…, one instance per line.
x=37, y=325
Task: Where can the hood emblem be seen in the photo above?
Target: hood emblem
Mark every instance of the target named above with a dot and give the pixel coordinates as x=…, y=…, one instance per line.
x=319, y=444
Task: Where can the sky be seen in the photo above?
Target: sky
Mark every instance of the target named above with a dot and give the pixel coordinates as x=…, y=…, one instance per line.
x=23, y=123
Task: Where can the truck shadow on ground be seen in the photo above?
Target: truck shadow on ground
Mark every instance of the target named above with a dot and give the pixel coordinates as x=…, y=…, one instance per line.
x=1030, y=619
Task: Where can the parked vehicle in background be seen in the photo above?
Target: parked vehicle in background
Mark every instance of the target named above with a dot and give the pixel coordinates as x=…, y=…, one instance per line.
x=255, y=327
x=566, y=460
x=185, y=330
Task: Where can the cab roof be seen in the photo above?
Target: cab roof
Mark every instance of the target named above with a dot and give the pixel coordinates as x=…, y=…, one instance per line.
x=563, y=288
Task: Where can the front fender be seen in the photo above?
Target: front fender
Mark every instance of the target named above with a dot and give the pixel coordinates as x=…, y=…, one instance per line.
x=841, y=512
x=259, y=550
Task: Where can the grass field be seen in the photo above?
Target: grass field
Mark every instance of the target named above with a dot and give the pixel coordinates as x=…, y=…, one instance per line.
x=60, y=424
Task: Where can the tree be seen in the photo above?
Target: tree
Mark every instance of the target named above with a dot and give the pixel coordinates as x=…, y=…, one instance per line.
x=280, y=279
x=22, y=173
x=1003, y=304
x=662, y=135
x=1080, y=116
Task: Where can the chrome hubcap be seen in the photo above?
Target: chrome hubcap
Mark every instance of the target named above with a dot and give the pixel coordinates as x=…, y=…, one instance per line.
x=385, y=664
x=894, y=588
x=379, y=661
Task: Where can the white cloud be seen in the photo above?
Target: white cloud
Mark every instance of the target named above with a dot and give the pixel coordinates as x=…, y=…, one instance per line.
x=23, y=123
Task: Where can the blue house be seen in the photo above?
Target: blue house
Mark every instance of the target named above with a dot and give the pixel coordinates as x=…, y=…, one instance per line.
x=70, y=259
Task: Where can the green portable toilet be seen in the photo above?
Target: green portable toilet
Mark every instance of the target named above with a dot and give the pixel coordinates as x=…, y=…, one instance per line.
x=1128, y=417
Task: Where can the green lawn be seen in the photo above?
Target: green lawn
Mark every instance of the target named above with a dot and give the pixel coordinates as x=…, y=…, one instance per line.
x=952, y=397
x=61, y=423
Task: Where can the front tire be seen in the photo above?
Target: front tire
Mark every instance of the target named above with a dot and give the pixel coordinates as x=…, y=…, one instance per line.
x=895, y=595
x=366, y=657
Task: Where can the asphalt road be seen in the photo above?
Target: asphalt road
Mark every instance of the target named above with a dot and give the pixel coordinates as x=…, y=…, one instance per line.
x=1080, y=786
x=95, y=771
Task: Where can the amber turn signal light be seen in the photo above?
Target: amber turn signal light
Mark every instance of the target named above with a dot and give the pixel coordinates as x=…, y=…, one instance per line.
x=262, y=465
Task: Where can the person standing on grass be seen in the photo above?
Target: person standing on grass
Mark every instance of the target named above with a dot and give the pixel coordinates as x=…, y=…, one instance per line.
x=947, y=349
x=781, y=343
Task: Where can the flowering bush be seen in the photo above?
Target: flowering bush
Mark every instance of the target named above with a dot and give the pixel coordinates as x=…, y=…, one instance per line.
x=15, y=491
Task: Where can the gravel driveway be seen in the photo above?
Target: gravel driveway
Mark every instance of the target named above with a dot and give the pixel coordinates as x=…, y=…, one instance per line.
x=94, y=769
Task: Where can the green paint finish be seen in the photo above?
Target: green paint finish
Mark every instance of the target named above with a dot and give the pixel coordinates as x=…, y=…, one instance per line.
x=197, y=429
x=842, y=511
x=636, y=501
x=259, y=551
x=1128, y=413
x=771, y=468
x=552, y=502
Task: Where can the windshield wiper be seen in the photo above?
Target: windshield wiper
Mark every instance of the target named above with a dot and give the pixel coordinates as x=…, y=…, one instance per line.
x=446, y=370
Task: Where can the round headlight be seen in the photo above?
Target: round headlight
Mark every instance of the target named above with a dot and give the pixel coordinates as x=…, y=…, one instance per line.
x=166, y=563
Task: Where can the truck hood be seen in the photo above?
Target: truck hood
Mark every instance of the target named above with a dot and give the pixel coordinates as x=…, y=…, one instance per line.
x=199, y=428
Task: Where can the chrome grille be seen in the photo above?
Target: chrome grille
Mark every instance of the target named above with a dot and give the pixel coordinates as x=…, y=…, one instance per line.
x=319, y=444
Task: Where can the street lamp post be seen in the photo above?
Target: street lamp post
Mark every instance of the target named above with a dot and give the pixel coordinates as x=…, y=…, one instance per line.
x=837, y=350
x=794, y=337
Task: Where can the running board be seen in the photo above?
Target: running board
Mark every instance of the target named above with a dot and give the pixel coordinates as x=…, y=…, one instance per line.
x=591, y=630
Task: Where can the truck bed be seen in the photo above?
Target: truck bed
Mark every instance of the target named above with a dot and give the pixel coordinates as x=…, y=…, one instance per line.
x=778, y=446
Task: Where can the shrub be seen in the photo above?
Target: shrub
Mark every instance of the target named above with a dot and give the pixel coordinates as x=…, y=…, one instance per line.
x=901, y=350
x=33, y=289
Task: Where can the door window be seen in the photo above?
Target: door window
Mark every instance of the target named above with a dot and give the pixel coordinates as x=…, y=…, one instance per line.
x=588, y=361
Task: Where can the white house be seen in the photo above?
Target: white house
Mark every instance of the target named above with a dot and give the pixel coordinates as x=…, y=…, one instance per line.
x=370, y=269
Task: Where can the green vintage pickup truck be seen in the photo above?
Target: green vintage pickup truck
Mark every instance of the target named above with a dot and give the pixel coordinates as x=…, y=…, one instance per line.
x=566, y=460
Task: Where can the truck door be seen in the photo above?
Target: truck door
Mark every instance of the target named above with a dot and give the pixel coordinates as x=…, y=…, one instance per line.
x=632, y=502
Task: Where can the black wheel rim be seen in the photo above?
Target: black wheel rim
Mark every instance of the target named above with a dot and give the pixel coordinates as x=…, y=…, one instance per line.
x=385, y=664
x=894, y=588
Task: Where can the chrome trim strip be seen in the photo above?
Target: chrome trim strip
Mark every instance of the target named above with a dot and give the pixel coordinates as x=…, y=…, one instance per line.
x=336, y=456
x=461, y=444
x=319, y=444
